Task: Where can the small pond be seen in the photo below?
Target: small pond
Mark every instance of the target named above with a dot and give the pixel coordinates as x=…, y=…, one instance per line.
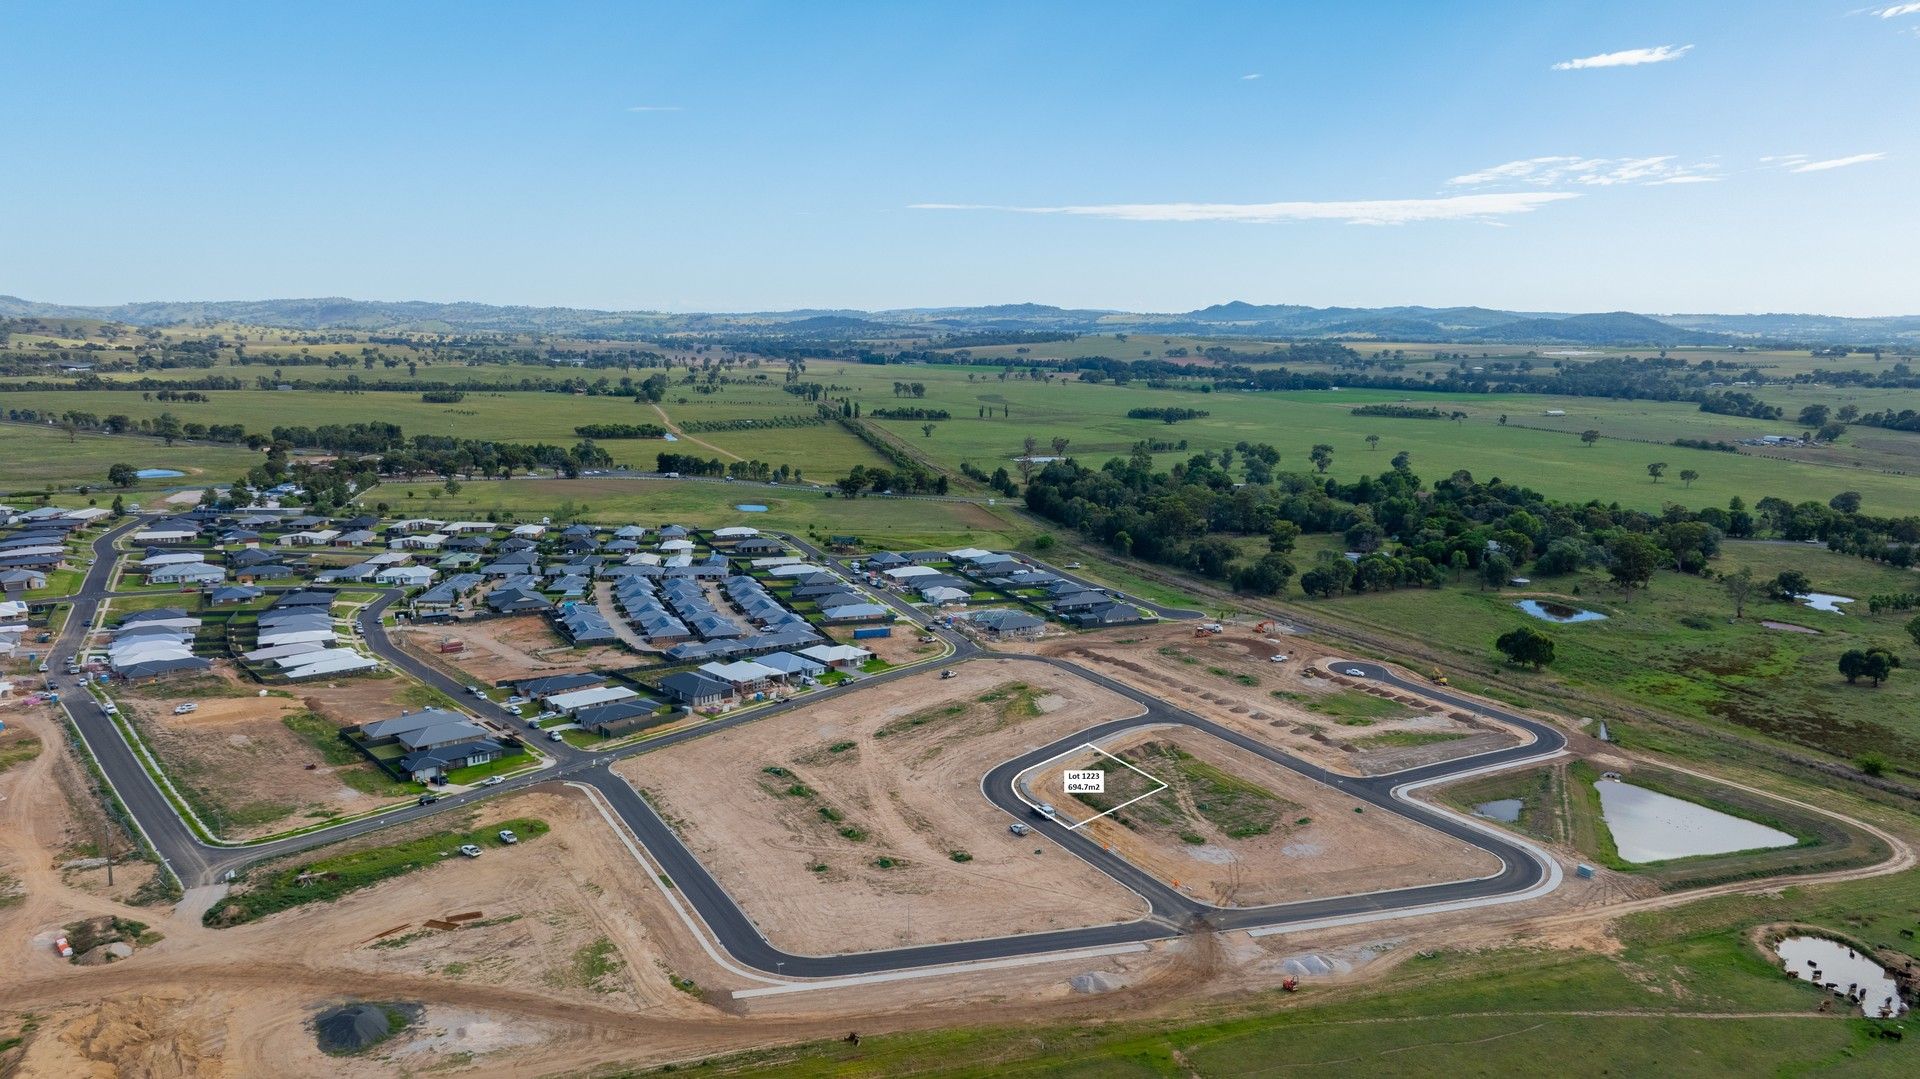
x=1825, y=601
x=1558, y=612
x=1504, y=810
x=1843, y=969
x=1648, y=826
x=751, y=507
x=159, y=473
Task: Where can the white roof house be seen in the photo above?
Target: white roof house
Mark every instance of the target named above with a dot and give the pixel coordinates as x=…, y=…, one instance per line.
x=91, y=513
x=908, y=572
x=269, y=638
x=779, y=560
x=415, y=524
x=456, y=527
x=282, y=651
x=530, y=531
x=742, y=672
x=587, y=698
x=172, y=558
x=793, y=569
x=941, y=593
x=330, y=661
x=406, y=576
x=836, y=655
x=965, y=553
x=735, y=532
x=676, y=545
x=164, y=535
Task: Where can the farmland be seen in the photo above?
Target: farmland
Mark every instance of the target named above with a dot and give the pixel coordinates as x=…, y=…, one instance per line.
x=32, y=458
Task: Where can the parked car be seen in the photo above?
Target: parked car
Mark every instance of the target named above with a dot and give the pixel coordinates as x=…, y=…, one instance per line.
x=1355, y=672
x=492, y=781
x=948, y=673
x=476, y=691
x=1044, y=810
x=183, y=709
x=1018, y=829
x=555, y=736
x=428, y=799
x=516, y=699
x=507, y=837
x=470, y=850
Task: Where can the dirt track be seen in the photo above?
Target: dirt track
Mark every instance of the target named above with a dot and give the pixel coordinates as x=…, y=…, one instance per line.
x=850, y=846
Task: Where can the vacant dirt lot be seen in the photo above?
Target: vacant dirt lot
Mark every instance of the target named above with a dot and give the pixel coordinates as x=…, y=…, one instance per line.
x=500, y=649
x=858, y=823
x=1232, y=679
x=902, y=647
x=1234, y=829
x=247, y=768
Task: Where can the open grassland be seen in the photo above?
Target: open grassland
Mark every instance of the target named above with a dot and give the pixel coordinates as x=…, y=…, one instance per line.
x=1676, y=649
x=1093, y=418
x=1531, y=448
x=32, y=457
x=878, y=522
x=1688, y=993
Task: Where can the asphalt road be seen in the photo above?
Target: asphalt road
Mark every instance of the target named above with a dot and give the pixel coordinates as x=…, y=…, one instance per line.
x=196, y=862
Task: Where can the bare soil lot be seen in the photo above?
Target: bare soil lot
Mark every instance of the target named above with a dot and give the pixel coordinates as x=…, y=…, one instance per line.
x=244, y=758
x=501, y=649
x=858, y=823
x=1231, y=678
x=1233, y=829
x=901, y=648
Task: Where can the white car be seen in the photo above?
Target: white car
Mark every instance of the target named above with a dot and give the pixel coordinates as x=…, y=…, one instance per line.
x=181, y=710
x=1355, y=672
x=470, y=850
x=1280, y=658
x=507, y=837
x=1045, y=810
x=492, y=781
x=555, y=736
x=1018, y=829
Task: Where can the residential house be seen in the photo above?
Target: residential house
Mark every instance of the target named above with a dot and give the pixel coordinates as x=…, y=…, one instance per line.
x=839, y=657
x=1001, y=623
x=696, y=690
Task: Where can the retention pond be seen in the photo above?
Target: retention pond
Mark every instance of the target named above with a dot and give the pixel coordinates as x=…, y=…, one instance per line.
x=1648, y=826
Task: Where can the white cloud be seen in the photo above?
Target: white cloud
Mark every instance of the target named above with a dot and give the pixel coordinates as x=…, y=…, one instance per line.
x=1684, y=180
x=1353, y=212
x=1836, y=162
x=653, y=108
x=1626, y=58
x=1589, y=172
x=1250, y=78
x=1898, y=10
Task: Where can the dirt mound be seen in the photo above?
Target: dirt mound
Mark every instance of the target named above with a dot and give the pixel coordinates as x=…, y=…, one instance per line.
x=354, y=1027
x=141, y=1035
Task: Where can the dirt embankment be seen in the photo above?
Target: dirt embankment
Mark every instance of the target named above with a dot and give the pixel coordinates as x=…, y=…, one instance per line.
x=858, y=823
x=1233, y=679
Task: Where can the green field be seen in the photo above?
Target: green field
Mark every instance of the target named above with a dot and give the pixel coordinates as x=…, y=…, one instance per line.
x=879, y=522
x=1531, y=448
x=31, y=458
x=1675, y=649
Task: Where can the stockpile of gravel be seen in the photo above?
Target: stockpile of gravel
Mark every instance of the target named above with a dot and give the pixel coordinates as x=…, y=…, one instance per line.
x=352, y=1028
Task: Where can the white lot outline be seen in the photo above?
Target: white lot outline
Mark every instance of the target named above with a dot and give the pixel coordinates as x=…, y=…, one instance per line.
x=1089, y=745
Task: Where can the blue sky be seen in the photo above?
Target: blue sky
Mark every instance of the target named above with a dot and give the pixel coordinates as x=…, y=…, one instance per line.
x=1757, y=156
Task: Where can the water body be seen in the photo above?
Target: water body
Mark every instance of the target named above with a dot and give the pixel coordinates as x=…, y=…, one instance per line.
x=159, y=473
x=1648, y=826
x=1558, y=612
x=1504, y=810
x=751, y=507
x=1825, y=601
x=1844, y=967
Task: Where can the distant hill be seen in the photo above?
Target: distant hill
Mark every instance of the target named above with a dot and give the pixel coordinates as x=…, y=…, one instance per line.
x=1437, y=325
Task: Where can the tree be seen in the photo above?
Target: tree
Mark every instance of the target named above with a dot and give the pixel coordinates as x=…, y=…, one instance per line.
x=1657, y=469
x=1813, y=416
x=1873, y=764
x=1284, y=534
x=1873, y=664
x=1845, y=502
x=1739, y=588
x=122, y=475
x=1631, y=559
x=1373, y=442
x=1321, y=456
x=1589, y=437
x=119, y=506
x=1913, y=629
x=1059, y=446
x=1402, y=461
x=1830, y=432
x=927, y=429
x=167, y=426
x=1791, y=583
x=1526, y=645
x=1687, y=476
x=1495, y=570
x=1266, y=576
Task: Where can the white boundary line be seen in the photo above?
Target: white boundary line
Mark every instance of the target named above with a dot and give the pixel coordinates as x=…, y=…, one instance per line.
x=1096, y=816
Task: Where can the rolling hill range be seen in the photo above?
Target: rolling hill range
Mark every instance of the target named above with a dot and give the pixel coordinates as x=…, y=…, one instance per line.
x=1440, y=325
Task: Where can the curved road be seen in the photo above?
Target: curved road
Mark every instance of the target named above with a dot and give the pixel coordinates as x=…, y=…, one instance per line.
x=1172, y=913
